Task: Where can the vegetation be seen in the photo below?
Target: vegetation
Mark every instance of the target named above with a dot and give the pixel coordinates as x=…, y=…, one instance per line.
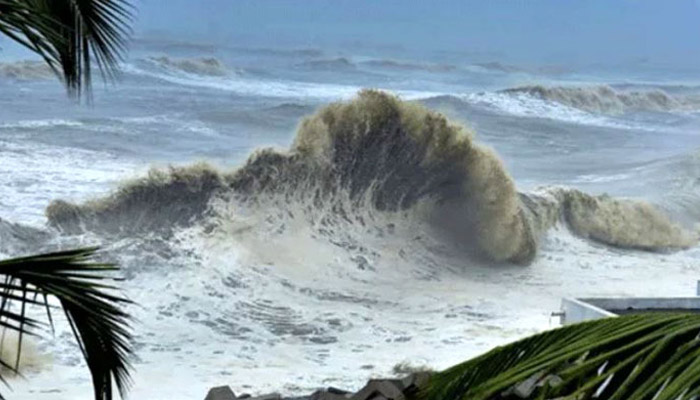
x=639, y=357
x=70, y=35
x=82, y=290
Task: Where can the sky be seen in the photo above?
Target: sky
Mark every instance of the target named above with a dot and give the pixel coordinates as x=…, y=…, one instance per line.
x=524, y=31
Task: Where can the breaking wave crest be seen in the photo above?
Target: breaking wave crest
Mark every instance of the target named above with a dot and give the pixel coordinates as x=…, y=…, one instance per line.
x=604, y=99
x=205, y=66
x=26, y=70
x=334, y=64
x=377, y=155
x=496, y=66
x=409, y=66
x=623, y=223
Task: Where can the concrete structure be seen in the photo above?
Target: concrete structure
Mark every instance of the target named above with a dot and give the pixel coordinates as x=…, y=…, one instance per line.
x=575, y=310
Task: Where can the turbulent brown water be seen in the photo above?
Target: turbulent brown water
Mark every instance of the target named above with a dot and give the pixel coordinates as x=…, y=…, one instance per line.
x=391, y=156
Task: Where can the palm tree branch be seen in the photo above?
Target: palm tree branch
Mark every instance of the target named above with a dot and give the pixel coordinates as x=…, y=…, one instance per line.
x=96, y=318
x=69, y=34
x=631, y=357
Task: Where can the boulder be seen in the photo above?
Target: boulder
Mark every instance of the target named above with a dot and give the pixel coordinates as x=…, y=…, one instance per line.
x=335, y=390
x=220, y=393
x=415, y=381
x=376, y=389
x=330, y=394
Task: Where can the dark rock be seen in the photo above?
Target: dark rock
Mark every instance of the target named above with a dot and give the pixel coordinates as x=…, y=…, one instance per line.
x=376, y=389
x=415, y=381
x=328, y=395
x=271, y=396
x=220, y=393
x=334, y=390
x=244, y=396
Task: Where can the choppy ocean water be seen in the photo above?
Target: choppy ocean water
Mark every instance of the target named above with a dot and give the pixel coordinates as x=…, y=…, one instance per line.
x=291, y=291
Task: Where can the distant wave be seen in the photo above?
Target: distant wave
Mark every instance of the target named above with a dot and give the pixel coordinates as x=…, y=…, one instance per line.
x=26, y=70
x=251, y=86
x=407, y=66
x=604, y=99
x=289, y=109
x=334, y=64
x=280, y=116
x=687, y=91
x=523, y=105
x=170, y=45
x=377, y=164
x=40, y=123
x=248, y=85
x=344, y=63
x=281, y=52
x=205, y=66
x=498, y=67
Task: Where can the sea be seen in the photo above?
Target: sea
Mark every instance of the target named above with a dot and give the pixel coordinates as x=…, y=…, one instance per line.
x=289, y=218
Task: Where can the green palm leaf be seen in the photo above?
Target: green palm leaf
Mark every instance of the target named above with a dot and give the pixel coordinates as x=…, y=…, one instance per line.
x=645, y=356
x=70, y=34
x=81, y=287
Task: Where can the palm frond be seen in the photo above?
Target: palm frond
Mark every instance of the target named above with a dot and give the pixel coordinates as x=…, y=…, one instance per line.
x=645, y=356
x=20, y=21
x=70, y=34
x=82, y=289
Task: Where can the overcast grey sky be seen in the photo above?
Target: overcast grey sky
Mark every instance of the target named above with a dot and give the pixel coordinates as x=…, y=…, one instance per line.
x=546, y=31
x=579, y=32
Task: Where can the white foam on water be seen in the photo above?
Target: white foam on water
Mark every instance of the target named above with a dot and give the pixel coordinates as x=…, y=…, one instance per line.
x=40, y=123
x=592, y=178
x=524, y=105
x=33, y=174
x=268, y=88
x=245, y=313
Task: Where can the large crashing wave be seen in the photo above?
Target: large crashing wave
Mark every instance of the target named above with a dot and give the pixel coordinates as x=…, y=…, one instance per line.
x=604, y=99
x=395, y=158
